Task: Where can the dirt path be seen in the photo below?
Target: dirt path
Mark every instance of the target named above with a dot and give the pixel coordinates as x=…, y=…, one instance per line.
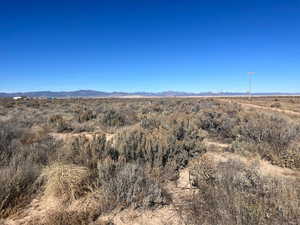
x=266, y=168
x=210, y=143
x=66, y=137
x=249, y=105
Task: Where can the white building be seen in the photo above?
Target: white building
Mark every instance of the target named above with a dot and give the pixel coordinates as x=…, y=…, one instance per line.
x=17, y=97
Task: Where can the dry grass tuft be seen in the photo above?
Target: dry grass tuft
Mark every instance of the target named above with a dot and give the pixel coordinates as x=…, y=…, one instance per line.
x=67, y=182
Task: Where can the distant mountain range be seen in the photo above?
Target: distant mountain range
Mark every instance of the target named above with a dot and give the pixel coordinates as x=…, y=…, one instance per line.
x=95, y=94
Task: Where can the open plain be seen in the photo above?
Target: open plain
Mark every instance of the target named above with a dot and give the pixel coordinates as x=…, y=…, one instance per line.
x=150, y=161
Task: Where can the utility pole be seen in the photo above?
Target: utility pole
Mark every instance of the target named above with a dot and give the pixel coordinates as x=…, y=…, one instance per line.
x=250, y=83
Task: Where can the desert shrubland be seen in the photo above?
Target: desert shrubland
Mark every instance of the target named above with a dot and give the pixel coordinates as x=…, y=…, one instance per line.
x=108, y=155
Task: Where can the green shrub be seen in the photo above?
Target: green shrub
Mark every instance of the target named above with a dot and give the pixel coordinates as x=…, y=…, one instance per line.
x=126, y=184
x=170, y=150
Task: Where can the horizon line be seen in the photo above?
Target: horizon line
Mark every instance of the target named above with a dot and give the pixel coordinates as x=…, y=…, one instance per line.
x=148, y=92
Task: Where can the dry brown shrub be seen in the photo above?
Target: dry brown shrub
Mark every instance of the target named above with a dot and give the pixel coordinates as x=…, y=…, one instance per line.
x=277, y=130
x=87, y=152
x=270, y=135
x=59, y=123
x=275, y=105
x=222, y=121
x=17, y=187
x=233, y=192
x=85, y=115
x=20, y=166
x=34, y=135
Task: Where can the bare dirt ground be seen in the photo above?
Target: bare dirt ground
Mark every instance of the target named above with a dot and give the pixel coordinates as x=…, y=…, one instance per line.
x=66, y=137
x=213, y=144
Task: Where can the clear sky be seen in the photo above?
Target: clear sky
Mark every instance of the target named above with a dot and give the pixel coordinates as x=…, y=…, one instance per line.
x=149, y=45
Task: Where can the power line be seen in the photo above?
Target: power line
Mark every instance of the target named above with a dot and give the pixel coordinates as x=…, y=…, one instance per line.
x=250, y=83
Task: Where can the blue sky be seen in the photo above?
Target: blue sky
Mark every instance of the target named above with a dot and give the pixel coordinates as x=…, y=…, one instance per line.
x=149, y=45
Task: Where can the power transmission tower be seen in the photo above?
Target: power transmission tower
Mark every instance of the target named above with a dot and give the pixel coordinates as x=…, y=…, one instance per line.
x=250, y=83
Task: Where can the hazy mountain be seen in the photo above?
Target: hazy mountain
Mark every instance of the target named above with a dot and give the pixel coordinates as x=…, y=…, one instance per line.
x=92, y=93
